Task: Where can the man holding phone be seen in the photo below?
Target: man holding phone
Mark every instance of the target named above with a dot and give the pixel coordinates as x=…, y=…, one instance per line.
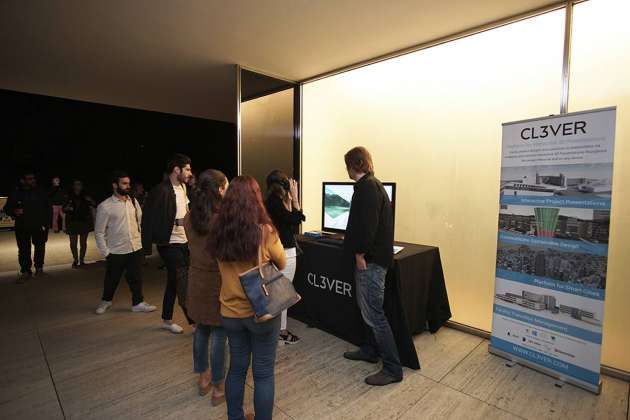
x=30, y=208
x=369, y=239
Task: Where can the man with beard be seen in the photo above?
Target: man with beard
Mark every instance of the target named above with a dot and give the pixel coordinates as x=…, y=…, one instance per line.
x=118, y=238
x=163, y=225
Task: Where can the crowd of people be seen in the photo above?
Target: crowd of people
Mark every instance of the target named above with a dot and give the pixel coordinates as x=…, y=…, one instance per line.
x=207, y=231
x=38, y=211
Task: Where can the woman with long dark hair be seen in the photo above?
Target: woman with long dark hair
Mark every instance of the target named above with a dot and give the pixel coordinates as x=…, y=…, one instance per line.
x=240, y=227
x=79, y=209
x=204, y=285
x=285, y=211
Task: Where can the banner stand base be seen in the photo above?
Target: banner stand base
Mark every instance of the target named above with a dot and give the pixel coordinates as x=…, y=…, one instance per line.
x=596, y=389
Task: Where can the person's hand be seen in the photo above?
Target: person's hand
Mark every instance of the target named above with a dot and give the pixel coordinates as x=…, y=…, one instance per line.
x=293, y=192
x=18, y=212
x=293, y=189
x=361, y=263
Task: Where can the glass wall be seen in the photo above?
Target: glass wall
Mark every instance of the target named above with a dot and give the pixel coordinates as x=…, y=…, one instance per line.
x=267, y=124
x=600, y=77
x=432, y=120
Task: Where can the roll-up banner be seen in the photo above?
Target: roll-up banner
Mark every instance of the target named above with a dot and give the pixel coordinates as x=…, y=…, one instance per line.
x=552, y=251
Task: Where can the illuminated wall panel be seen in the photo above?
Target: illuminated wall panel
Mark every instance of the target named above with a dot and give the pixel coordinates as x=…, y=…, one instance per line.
x=600, y=77
x=432, y=120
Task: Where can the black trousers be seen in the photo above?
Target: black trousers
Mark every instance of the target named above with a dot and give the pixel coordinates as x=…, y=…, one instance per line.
x=131, y=265
x=177, y=259
x=25, y=237
x=74, y=241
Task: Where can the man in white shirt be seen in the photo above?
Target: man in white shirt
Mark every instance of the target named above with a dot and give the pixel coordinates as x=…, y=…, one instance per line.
x=163, y=225
x=118, y=238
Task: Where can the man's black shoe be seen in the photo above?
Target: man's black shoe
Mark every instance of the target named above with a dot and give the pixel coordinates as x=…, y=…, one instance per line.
x=381, y=379
x=359, y=355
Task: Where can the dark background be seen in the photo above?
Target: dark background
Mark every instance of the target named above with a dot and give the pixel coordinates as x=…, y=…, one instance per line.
x=75, y=139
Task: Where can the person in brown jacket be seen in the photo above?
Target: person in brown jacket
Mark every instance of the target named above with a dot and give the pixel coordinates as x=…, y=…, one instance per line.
x=240, y=227
x=204, y=286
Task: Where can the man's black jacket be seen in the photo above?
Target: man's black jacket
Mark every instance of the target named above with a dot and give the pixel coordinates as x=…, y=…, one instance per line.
x=36, y=206
x=370, y=229
x=158, y=215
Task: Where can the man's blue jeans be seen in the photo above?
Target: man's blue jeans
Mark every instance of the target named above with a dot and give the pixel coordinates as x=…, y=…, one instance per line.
x=258, y=341
x=201, y=337
x=370, y=287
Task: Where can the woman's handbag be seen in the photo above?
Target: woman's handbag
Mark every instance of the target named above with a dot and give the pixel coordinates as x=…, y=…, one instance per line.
x=268, y=290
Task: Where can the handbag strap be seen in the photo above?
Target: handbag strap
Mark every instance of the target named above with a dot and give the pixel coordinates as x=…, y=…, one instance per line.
x=262, y=232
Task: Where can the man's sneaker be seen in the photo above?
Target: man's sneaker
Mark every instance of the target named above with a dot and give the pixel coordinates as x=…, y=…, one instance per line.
x=381, y=379
x=359, y=355
x=23, y=277
x=103, y=307
x=143, y=307
x=39, y=271
x=172, y=327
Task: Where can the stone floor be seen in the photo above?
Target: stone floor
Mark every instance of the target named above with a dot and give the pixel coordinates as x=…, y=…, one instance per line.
x=60, y=360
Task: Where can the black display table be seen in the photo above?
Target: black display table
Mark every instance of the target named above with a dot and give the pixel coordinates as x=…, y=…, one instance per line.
x=415, y=294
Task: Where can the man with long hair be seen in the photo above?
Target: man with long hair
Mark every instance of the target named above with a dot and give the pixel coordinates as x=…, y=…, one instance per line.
x=163, y=225
x=369, y=239
x=239, y=229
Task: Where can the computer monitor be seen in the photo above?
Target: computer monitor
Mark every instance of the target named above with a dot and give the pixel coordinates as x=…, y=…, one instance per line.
x=336, y=199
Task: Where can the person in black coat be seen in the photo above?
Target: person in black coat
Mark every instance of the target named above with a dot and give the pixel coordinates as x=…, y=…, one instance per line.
x=139, y=193
x=31, y=209
x=163, y=224
x=79, y=209
x=284, y=208
x=370, y=239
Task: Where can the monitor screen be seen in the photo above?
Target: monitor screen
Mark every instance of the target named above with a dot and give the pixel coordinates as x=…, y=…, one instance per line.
x=336, y=199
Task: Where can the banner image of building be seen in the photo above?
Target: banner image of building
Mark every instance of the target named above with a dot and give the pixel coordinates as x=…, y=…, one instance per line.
x=552, y=245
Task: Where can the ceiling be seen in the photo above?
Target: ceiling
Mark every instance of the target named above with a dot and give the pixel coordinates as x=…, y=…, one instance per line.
x=178, y=56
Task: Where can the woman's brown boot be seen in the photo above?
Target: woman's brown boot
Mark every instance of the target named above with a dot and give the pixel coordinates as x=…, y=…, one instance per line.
x=204, y=383
x=218, y=394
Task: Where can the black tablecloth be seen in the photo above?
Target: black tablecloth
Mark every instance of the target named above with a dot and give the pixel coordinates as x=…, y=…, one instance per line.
x=415, y=294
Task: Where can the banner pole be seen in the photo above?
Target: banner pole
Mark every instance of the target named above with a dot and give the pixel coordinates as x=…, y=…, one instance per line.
x=566, y=59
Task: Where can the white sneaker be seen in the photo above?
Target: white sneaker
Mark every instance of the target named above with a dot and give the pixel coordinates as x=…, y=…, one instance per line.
x=172, y=327
x=103, y=307
x=143, y=307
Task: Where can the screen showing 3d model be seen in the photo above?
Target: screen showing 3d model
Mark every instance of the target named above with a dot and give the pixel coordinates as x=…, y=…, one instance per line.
x=336, y=203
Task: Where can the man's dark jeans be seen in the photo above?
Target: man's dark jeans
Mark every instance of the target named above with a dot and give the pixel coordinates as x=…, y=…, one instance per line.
x=131, y=265
x=24, y=238
x=370, y=287
x=176, y=257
